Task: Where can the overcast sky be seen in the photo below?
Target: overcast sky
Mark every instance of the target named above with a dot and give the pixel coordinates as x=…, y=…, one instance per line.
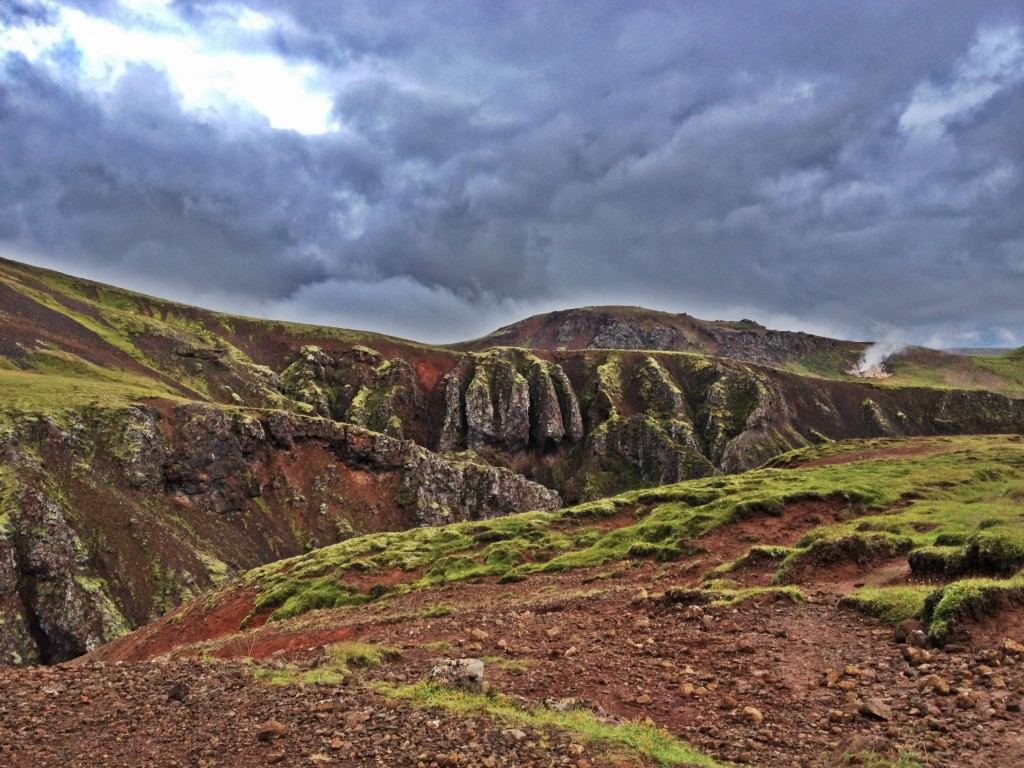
x=437, y=169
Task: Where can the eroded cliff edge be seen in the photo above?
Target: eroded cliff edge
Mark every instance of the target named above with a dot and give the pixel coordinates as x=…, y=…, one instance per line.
x=111, y=516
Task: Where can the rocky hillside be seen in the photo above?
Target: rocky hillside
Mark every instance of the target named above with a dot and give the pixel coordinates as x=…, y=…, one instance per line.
x=111, y=516
x=149, y=449
x=639, y=328
x=694, y=610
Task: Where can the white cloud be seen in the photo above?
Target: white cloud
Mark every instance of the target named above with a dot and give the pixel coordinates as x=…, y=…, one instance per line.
x=208, y=66
x=399, y=306
x=994, y=63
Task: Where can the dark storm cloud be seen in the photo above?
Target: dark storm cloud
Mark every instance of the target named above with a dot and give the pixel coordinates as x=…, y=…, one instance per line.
x=848, y=167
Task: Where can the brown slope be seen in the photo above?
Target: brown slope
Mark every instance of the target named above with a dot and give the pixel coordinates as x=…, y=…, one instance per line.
x=602, y=636
x=639, y=328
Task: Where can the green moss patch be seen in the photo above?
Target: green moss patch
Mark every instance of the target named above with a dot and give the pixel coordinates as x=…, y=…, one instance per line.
x=963, y=492
x=622, y=743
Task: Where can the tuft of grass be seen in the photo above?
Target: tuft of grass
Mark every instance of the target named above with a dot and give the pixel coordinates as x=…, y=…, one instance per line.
x=622, y=742
x=332, y=668
x=436, y=611
x=725, y=596
x=969, y=599
x=890, y=604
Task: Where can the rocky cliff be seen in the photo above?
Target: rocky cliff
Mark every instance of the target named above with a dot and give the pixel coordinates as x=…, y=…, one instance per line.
x=110, y=517
x=636, y=328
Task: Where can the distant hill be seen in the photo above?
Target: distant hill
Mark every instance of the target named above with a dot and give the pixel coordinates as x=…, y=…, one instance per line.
x=639, y=328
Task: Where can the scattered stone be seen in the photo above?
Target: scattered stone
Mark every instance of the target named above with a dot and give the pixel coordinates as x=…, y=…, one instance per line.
x=467, y=674
x=271, y=730
x=876, y=709
x=934, y=683
x=753, y=715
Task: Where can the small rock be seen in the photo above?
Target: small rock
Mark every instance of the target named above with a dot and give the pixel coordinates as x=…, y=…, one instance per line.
x=965, y=700
x=917, y=639
x=753, y=715
x=903, y=630
x=467, y=674
x=916, y=656
x=876, y=709
x=513, y=735
x=1011, y=646
x=478, y=634
x=270, y=730
x=643, y=699
x=934, y=683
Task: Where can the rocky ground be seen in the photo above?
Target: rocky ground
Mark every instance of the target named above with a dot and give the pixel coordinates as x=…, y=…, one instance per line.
x=216, y=715
x=768, y=682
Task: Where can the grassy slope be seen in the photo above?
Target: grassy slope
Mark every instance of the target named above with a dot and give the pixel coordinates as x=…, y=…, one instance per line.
x=120, y=328
x=120, y=317
x=959, y=497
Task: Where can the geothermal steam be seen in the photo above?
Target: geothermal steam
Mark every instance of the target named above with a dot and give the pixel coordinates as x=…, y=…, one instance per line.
x=872, y=362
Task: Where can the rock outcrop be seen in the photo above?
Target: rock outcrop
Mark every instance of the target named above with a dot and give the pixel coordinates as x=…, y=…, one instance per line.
x=111, y=516
x=510, y=401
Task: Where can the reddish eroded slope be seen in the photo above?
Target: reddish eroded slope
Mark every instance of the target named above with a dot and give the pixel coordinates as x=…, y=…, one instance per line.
x=693, y=671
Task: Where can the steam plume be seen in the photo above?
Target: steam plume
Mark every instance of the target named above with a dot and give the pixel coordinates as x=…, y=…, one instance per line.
x=875, y=355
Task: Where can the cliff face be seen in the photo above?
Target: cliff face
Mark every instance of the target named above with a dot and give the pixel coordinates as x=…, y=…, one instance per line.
x=110, y=517
x=593, y=423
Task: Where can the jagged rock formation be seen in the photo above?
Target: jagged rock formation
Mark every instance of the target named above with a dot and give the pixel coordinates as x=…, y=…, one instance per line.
x=358, y=387
x=510, y=400
x=110, y=517
x=628, y=419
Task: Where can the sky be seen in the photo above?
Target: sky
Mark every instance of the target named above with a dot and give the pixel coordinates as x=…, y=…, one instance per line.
x=437, y=169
